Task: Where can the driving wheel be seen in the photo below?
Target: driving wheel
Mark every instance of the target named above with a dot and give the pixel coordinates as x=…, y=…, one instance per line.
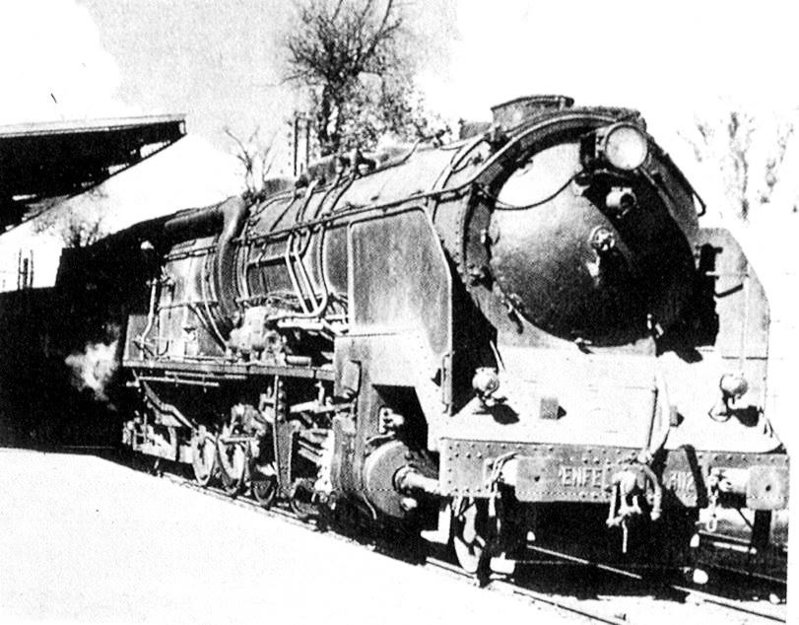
x=203, y=457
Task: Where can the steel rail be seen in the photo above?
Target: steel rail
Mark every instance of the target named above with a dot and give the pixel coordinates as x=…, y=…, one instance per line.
x=694, y=593
x=533, y=595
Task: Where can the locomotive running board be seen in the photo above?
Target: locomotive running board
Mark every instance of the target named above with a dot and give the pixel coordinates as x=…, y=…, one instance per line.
x=212, y=372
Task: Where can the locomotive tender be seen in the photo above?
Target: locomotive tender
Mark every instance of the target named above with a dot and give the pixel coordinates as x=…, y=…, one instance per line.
x=525, y=335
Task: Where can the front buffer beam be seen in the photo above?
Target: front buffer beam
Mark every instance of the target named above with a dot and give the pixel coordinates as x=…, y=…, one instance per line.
x=581, y=473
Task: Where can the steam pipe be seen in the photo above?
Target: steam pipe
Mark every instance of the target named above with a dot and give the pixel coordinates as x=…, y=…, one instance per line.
x=229, y=218
x=194, y=224
x=234, y=213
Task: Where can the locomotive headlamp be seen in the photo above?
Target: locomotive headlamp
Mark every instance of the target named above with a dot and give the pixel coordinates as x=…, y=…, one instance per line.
x=624, y=146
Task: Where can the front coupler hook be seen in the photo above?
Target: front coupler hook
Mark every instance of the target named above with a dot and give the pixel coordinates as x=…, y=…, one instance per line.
x=629, y=490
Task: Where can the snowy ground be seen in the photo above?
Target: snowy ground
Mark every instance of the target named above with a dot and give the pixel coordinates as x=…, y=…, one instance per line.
x=83, y=540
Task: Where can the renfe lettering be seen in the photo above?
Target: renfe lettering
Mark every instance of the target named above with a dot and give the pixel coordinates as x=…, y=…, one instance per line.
x=578, y=476
x=592, y=477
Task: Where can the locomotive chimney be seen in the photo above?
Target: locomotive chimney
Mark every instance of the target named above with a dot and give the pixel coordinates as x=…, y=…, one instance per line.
x=514, y=112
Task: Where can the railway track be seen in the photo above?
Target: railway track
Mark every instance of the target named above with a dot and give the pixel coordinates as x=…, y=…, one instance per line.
x=768, y=566
x=648, y=597
x=687, y=593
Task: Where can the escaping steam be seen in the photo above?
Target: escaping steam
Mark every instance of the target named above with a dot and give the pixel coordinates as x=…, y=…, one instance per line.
x=93, y=368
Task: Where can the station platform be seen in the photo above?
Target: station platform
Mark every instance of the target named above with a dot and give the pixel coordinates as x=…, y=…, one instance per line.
x=86, y=540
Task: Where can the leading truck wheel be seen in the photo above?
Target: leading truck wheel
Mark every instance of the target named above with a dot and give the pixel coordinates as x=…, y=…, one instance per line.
x=203, y=457
x=470, y=536
x=264, y=490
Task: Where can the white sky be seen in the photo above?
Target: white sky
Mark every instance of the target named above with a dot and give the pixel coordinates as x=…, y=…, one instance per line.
x=219, y=62
x=653, y=55
x=53, y=65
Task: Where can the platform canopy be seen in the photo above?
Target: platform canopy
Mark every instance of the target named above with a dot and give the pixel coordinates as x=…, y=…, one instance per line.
x=44, y=163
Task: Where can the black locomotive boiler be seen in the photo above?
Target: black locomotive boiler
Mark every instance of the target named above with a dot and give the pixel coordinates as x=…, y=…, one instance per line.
x=523, y=337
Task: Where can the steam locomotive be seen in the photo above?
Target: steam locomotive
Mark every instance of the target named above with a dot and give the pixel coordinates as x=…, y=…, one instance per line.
x=523, y=337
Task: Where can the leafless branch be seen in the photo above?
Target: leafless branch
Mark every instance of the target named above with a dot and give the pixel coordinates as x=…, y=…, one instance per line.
x=774, y=162
x=255, y=160
x=730, y=141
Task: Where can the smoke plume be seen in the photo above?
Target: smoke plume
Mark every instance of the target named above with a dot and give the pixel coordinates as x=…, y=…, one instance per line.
x=93, y=368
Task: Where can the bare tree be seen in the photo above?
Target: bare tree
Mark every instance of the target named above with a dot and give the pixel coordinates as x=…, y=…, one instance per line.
x=255, y=159
x=775, y=161
x=351, y=56
x=77, y=224
x=78, y=229
x=748, y=152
